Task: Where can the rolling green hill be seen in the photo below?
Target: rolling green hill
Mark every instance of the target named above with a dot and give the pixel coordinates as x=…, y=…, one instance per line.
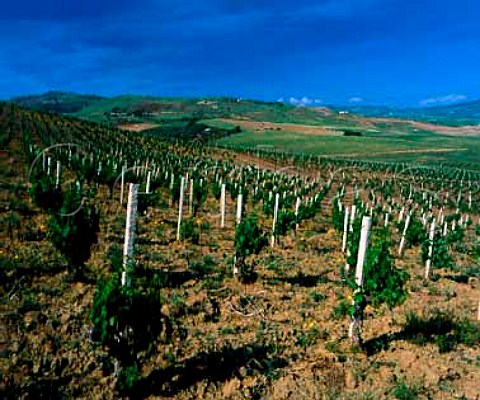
x=135, y=108
x=57, y=102
x=249, y=123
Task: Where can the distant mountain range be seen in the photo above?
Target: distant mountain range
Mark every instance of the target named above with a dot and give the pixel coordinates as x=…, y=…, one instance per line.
x=140, y=107
x=459, y=114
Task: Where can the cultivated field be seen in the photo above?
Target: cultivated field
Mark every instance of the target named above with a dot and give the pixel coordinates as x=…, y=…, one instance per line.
x=381, y=141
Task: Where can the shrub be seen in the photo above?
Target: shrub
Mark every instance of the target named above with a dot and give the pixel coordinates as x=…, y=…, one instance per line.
x=74, y=233
x=127, y=320
x=45, y=194
x=403, y=391
x=384, y=283
x=189, y=230
x=415, y=234
x=440, y=255
x=127, y=378
x=249, y=239
x=144, y=201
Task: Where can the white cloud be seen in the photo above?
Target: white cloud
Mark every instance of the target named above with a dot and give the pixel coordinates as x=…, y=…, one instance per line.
x=303, y=102
x=355, y=100
x=450, y=98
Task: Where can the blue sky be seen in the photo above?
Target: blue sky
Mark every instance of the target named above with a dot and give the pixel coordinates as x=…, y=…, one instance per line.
x=397, y=52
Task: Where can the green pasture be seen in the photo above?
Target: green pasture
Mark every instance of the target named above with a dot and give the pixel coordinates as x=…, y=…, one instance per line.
x=385, y=145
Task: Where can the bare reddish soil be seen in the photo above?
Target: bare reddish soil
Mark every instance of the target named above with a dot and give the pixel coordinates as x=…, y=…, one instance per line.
x=137, y=127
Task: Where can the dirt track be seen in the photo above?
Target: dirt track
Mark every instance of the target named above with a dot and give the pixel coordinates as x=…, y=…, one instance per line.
x=138, y=127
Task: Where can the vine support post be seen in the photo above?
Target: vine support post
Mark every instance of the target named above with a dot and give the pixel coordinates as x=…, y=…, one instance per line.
x=431, y=237
x=190, y=198
x=223, y=199
x=129, y=231
x=59, y=172
x=275, y=218
x=345, y=229
x=170, y=186
x=297, y=209
x=402, y=240
x=354, y=331
x=147, y=187
x=236, y=268
x=352, y=217
x=239, y=208
x=122, y=184
x=180, y=206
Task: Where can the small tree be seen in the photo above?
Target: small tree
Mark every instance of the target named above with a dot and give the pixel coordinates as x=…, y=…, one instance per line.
x=338, y=216
x=189, y=230
x=440, y=258
x=175, y=190
x=353, y=244
x=200, y=193
x=127, y=320
x=45, y=194
x=249, y=239
x=286, y=221
x=383, y=283
x=216, y=189
x=146, y=200
x=415, y=234
x=74, y=230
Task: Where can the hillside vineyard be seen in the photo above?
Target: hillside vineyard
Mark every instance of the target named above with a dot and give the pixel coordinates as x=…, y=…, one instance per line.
x=134, y=266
